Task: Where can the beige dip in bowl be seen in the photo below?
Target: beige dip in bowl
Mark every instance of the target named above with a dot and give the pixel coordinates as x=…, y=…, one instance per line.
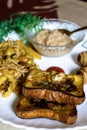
x=48, y=41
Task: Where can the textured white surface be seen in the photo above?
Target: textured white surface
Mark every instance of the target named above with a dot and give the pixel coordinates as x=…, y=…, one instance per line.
x=73, y=10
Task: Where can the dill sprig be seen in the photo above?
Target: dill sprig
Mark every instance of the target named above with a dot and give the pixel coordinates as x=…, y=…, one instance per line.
x=18, y=23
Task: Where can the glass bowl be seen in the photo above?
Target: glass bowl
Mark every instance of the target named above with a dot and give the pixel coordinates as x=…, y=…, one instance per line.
x=51, y=24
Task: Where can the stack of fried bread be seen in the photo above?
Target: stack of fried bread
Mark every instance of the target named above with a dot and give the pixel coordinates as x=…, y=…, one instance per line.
x=51, y=95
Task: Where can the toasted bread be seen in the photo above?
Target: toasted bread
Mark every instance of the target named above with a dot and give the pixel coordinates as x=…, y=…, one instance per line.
x=68, y=90
x=33, y=108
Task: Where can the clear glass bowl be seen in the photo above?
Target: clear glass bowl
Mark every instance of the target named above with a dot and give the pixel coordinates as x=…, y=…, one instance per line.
x=51, y=24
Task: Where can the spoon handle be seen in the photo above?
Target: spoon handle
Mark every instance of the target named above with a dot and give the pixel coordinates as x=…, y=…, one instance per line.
x=82, y=28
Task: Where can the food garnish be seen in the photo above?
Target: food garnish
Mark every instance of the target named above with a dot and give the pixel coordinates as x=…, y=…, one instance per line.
x=18, y=23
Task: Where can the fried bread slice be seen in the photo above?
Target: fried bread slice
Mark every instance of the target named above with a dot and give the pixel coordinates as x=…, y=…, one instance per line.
x=60, y=88
x=33, y=108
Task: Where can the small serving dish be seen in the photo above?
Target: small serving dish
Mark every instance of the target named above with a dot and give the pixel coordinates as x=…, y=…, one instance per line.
x=51, y=24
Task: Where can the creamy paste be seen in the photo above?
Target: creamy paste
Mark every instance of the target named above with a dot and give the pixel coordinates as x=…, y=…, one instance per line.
x=52, y=38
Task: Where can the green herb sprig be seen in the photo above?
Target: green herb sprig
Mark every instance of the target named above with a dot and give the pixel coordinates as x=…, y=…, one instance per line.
x=18, y=23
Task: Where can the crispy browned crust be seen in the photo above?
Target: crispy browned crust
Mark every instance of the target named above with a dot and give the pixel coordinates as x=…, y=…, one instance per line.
x=64, y=114
x=52, y=95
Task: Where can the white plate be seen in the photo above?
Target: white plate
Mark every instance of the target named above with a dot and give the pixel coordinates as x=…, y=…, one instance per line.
x=70, y=65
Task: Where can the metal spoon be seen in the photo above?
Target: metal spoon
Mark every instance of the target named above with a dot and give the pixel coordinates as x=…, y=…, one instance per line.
x=70, y=32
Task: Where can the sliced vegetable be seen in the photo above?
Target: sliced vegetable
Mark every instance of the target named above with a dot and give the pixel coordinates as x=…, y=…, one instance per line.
x=55, y=69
